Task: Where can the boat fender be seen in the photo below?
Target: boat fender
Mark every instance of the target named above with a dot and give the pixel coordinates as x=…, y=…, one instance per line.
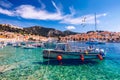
x=82, y=57
x=86, y=52
x=100, y=57
x=59, y=57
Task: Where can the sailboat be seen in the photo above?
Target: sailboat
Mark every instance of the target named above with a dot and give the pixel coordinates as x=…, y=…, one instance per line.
x=94, y=40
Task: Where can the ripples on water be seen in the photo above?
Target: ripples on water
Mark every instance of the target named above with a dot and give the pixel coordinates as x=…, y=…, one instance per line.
x=27, y=64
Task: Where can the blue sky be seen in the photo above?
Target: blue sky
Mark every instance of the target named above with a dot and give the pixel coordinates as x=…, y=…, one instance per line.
x=74, y=15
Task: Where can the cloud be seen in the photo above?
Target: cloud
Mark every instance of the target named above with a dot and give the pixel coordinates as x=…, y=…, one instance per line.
x=6, y=12
x=42, y=4
x=72, y=10
x=86, y=19
x=70, y=27
x=5, y=3
x=57, y=9
x=31, y=12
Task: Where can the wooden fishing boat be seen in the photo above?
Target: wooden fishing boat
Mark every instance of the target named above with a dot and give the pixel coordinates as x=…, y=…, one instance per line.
x=65, y=51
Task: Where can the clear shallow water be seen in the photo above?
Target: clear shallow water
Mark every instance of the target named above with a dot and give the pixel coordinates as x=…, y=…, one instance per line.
x=27, y=64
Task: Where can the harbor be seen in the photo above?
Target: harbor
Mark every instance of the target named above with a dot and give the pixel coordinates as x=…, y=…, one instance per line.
x=59, y=40
x=19, y=63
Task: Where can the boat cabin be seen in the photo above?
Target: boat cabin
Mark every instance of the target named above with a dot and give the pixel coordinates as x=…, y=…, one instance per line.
x=63, y=47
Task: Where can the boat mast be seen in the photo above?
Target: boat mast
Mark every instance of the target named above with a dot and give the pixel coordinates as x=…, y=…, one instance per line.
x=95, y=23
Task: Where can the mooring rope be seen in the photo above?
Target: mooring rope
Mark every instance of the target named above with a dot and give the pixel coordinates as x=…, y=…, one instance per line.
x=46, y=69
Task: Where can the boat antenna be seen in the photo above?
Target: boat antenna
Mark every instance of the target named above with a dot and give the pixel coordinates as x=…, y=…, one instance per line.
x=83, y=22
x=95, y=23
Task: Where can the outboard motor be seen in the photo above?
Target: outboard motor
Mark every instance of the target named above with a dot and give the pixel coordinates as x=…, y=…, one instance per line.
x=102, y=52
x=97, y=50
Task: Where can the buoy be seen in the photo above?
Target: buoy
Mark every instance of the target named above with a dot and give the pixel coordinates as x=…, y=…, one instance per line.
x=100, y=57
x=82, y=57
x=59, y=57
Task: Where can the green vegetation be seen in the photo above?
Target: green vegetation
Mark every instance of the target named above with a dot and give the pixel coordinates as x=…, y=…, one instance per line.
x=37, y=30
x=11, y=29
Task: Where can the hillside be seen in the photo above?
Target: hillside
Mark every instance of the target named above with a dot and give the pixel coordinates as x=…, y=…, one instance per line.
x=36, y=30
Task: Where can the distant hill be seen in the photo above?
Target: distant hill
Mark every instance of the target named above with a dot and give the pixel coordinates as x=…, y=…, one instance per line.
x=68, y=32
x=36, y=30
x=10, y=28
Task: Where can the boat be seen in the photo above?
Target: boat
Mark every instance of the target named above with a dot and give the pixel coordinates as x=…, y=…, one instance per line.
x=16, y=45
x=38, y=44
x=23, y=43
x=11, y=43
x=95, y=41
x=28, y=46
x=3, y=43
x=1, y=46
x=65, y=51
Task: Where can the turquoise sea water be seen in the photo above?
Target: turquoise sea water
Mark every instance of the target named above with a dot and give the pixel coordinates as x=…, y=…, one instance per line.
x=28, y=64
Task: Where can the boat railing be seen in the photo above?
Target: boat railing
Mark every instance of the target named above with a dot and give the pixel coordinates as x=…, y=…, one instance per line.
x=84, y=49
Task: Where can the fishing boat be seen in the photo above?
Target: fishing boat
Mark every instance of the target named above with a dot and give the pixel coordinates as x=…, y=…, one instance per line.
x=16, y=45
x=65, y=51
x=28, y=46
